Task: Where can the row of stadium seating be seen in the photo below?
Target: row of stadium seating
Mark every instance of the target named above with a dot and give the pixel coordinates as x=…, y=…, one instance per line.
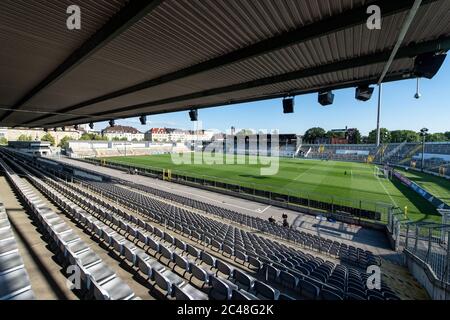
x=97, y=279
x=350, y=254
x=223, y=281
x=257, y=251
x=14, y=280
x=302, y=272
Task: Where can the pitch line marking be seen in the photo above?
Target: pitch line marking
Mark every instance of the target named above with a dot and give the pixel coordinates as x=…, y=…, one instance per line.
x=263, y=210
x=385, y=190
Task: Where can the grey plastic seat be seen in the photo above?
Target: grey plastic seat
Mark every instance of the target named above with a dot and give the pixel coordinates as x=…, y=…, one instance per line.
x=186, y=291
x=166, y=252
x=13, y=283
x=208, y=259
x=145, y=265
x=114, y=289
x=221, y=289
x=7, y=246
x=153, y=244
x=308, y=289
x=166, y=279
x=264, y=291
x=141, y=236
x=224, y=268
x=167, y=237
x=86, y=259
x=243, y=279
x=10, y=262
x=99, y=273
x=181, y=262
x=193, y=251
x=117, y=242
x=200, y=273
x=241, y=295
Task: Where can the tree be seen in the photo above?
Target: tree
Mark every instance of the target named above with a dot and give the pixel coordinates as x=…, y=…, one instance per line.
x=245, y=132
x=398, y=136
x=48, y=137
x=24, y=137
x=311, y=135
x=447, y=135
x=365, y=139
x=64, y=142
x=3, y=141
x=356, y=139
x=91, y=136
x=436, y=137
x=385, y=136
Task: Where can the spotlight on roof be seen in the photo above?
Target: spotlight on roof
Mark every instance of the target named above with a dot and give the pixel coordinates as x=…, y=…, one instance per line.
x=326, y=98
x=143, y=120
x=193, y=114
x=288, y=105
x=91, y=125
x=426, y=65
x=363, y=93
x=111, y=123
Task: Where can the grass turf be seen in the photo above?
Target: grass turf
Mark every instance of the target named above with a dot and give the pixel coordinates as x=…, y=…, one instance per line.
x=329, y=181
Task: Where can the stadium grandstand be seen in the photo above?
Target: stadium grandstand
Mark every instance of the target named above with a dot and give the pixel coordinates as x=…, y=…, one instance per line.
x=120, y=219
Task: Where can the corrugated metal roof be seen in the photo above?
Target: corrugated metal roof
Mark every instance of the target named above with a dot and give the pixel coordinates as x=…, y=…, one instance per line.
x=182, y=33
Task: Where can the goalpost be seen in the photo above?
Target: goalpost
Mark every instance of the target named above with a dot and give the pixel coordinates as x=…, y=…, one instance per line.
x=385, y=172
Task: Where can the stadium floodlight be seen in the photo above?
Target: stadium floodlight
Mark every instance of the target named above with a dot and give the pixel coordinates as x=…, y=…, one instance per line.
x=111, y=123
x=91, y=125
x=363, y=93
x=288, y=105
x=193, y=114
x=75, y=127
x=326, y=98
x=143, y=120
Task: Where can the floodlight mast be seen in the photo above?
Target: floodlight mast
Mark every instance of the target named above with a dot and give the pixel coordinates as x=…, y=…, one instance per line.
x=380, y=89
x=411, y=14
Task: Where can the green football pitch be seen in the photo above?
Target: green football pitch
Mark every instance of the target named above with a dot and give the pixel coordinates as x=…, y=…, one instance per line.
x=349, y=183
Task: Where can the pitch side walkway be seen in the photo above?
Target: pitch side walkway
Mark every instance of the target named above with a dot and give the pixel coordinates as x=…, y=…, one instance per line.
x=365, y=238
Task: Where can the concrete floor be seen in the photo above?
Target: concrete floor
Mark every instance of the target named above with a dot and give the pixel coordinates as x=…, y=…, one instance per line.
x=46, y=277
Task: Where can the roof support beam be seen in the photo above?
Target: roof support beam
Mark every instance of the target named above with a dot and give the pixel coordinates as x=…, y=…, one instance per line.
x=410, y=51
x=121, y=21
x=333, y=24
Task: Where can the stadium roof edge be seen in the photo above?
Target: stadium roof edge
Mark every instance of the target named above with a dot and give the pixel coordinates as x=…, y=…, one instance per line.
x=404, y=52
x=223, y=57
x=346, y=20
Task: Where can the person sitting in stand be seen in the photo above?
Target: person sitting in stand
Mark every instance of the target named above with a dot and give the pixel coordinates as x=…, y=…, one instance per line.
x=272, y=219
x=285, y=223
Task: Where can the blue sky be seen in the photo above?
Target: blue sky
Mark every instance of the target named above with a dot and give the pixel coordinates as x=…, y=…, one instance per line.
x=400, y=111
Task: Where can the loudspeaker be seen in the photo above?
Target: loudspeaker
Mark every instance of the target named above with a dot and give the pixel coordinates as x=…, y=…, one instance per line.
x=91, y=125
x=288, y=105
x=143, y=120
x=193, y=114
x=111, y=123
x=363, y=93
x=427, y=65
x=326, y=98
